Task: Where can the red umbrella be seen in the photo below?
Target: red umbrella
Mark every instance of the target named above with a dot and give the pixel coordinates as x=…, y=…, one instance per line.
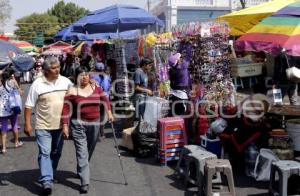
x=3, y=37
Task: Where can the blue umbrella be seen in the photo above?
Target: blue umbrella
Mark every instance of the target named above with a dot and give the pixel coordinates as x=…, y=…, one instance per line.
x=116, y=18
x=21, y=60
x=67, y=35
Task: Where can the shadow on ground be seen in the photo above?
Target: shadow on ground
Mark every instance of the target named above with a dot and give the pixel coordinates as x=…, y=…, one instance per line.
x=28, y=179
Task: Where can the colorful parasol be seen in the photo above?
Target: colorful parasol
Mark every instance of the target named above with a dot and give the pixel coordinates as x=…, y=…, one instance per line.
x=281, y=31
x=25, y=46
x=243, y=20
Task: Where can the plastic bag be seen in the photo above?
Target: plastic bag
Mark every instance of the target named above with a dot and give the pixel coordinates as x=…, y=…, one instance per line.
x=155, y=109
x=293, y=74
x=218, y=126
x=263, y=164
x=15, y=101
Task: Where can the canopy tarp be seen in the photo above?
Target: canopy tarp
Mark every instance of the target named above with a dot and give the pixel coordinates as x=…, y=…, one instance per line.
x=243, y=20
x=116, y=18
x=67, y=35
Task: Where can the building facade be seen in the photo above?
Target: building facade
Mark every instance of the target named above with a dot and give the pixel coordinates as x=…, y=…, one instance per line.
x=175, y=12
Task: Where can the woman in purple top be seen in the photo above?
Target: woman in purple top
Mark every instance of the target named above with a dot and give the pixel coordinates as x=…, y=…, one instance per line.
x=180, y=79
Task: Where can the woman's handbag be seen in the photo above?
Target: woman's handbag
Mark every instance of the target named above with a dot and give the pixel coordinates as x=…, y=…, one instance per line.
x=292, y=73
x=15, y=101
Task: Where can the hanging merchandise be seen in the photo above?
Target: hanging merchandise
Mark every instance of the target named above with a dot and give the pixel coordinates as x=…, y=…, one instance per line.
x=210, y=62
x=141, y=47
x=123, y=85
x=131, y=50
x=208, y=68
x=151, y=39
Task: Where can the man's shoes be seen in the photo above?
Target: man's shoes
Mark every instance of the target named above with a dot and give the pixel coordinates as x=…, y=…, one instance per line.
x=55, y=180
x=47, y=188
x=84, y=188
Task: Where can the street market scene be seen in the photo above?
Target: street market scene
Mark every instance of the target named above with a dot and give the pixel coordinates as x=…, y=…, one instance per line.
x=150, y=97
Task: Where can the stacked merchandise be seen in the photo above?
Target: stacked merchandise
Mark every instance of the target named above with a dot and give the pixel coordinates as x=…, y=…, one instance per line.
x=281, y=144
x=209, y=68
x=172, y=138
x=123, y=88
x=210, y=63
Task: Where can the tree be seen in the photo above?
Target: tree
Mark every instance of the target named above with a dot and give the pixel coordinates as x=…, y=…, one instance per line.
x=67, y=13
x=30, y=26
x=5, y=10
x=243, y=3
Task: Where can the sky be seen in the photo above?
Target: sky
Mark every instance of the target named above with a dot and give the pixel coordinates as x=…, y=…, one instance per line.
x=22, y=8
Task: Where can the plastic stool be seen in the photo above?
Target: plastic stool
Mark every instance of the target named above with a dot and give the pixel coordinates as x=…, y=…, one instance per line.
x=199, y=158
x=285, y=169
x=236, y=84
x=218, y=165
x=183, y=154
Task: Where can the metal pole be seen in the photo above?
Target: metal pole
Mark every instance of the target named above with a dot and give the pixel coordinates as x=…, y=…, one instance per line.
x=148, y=5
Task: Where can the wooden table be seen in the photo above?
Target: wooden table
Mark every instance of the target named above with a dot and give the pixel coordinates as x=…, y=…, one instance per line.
x=285, y=110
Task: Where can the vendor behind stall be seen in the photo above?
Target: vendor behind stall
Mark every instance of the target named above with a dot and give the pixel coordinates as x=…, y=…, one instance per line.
x=180, y=80
x=141, y=86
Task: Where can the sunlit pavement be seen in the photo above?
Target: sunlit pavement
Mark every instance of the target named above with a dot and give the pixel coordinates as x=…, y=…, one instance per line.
x=19, y=173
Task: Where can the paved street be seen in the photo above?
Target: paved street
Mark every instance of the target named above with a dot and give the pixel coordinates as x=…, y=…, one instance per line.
x=19, y=173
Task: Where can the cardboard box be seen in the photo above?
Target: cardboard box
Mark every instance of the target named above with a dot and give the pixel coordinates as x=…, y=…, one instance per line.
x=126, y=138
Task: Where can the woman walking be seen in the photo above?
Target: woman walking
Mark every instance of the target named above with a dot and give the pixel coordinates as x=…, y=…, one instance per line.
x=81, y=111
x=8, y=84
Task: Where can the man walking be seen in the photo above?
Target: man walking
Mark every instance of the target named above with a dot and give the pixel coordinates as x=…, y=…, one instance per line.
x=47, y=95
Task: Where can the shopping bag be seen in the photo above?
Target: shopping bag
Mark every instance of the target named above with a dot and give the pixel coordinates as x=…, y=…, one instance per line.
x=293, y=74
x=15, y=101
x=155, y=109
x=275, y=96
x=263, y=164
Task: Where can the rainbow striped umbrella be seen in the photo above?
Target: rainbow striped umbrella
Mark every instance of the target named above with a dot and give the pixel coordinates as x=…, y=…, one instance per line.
x=281, y=31
x=25, y=46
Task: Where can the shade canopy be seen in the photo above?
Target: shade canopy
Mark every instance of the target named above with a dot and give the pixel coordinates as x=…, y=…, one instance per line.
x=66, y=34
x=18, y=57
x=243, y=20
x=116, y=18
x=281, y=31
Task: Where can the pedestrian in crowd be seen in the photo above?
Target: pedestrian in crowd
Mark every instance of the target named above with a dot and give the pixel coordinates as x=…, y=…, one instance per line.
x=46, y=94
x=68, y=69
x=8, y=84
x=38, y=68
x=280, y=80
x=141, y=86
x=81, y=112
x=103, y=79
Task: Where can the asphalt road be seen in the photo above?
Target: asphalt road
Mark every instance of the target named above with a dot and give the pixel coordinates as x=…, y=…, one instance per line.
x=19, y=173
